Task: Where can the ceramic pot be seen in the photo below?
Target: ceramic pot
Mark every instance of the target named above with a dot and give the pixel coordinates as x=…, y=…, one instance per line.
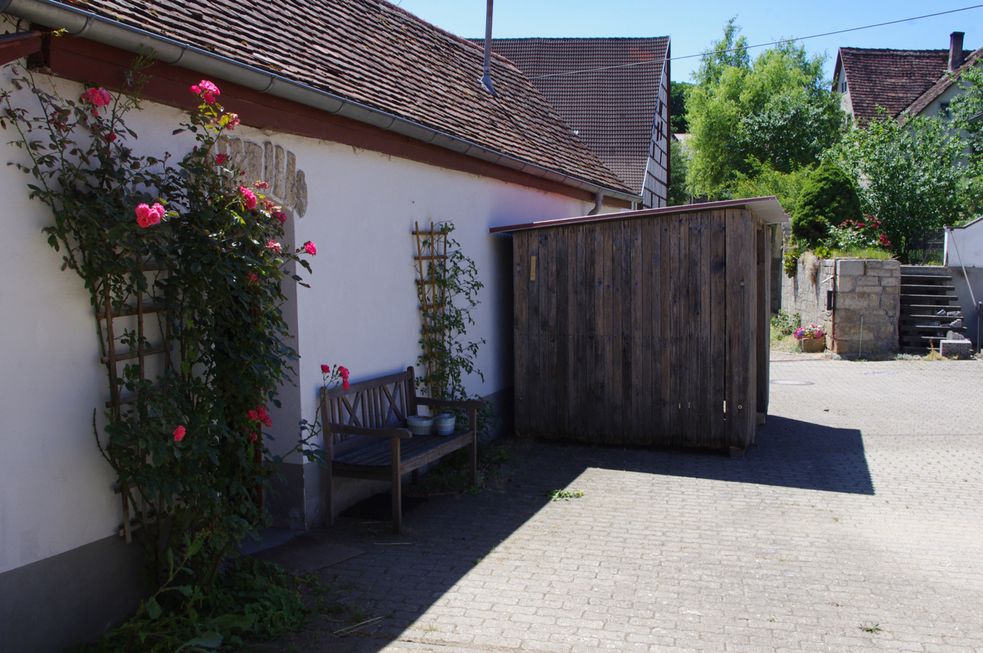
x=443, y=424
x=419, y=425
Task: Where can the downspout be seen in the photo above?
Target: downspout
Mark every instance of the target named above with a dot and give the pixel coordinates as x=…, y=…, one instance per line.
x=81, y=23
x=598, y=203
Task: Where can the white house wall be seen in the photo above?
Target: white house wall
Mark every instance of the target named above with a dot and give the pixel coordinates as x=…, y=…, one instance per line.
x=361, y=311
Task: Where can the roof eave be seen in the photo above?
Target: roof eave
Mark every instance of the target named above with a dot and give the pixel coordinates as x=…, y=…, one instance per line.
x=766, y=208
x=86, y=24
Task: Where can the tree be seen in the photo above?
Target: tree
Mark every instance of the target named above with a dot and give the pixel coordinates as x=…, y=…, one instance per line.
x=910, y=177
x=777, y=112
x=678, y=162
x=967, y=114
x=828, y=198
x=677, y=107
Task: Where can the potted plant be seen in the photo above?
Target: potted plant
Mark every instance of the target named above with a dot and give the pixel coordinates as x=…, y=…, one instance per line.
x=812, y=338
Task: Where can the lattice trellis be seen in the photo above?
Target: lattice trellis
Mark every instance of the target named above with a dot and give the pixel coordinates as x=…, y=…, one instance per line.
x=122, y=316
x=431, y=270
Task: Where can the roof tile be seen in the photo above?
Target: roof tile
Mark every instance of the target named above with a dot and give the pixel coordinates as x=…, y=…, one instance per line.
x=892, y=79
x=612, y=108
x=381, y=56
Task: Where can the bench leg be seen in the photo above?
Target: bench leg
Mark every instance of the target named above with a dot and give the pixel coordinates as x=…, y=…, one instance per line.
x=473, y=424
x=397, y=490
x=474, y=462
x=329, y=493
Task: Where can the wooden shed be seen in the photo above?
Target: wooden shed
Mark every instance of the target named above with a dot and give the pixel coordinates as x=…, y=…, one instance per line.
x=645, y=327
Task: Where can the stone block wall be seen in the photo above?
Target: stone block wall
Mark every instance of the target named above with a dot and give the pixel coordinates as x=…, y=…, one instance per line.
x=867, y=303
x=867, y=308
x=805, y=293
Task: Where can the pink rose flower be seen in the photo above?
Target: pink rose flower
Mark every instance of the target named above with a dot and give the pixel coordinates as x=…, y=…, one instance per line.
x=233, y=121
x=280, y=215
x=97, y=97
x=206, y=90
x=179, y=432
x=253, y=277
x=248, y=198
x=148, y=216
x=260, y=185
x=220, y=159
x=274, y=246
x=325, y=369
x=310, y=248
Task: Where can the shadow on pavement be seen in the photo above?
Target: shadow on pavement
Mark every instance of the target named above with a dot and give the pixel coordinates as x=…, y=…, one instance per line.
x=394, y=580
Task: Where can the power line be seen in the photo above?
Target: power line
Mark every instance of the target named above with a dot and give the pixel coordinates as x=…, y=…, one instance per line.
x=762, y=45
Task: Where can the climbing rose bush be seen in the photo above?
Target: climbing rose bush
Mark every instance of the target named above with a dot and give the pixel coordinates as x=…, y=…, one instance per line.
x=190, y=236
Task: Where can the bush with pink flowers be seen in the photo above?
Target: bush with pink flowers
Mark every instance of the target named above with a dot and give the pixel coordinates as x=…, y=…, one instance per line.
x=191, y=236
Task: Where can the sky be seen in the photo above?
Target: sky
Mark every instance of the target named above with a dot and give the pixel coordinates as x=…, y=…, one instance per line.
x=694, y=24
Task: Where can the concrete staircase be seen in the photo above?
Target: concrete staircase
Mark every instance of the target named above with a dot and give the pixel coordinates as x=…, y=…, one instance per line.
x=929, y=308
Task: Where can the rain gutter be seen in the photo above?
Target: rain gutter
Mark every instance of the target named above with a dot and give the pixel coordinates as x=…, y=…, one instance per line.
x=86, y=24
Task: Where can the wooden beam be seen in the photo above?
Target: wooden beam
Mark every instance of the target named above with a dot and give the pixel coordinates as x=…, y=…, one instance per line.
x=19, y=45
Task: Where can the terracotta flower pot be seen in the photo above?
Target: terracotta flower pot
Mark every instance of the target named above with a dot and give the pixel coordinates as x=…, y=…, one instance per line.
x=812, y=345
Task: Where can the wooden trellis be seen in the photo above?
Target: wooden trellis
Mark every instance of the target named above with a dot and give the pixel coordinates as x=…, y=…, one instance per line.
x=431, y=270
x=134, y=306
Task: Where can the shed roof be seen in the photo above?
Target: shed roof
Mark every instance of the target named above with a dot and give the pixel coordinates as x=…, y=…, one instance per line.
x=377, y=55
x=892, y=79
x=766, y=208
x=611, y=108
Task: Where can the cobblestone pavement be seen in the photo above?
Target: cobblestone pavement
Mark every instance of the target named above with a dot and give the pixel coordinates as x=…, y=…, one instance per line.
x=855, y=524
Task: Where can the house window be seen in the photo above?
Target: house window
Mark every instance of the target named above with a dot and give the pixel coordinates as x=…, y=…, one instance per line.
x=843, y=86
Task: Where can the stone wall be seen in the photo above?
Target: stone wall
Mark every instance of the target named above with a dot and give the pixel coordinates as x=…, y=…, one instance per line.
x=805, y=293
x=867, y=308
x=866, y=303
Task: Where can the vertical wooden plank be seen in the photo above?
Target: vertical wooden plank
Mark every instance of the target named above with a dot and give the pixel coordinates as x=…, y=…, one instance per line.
x=717, y=327
x=667, y=406
x=638, y=296
x=751, y=344
x=704, y=401
x=740, y=258
x=520, y=326
x=764, y=319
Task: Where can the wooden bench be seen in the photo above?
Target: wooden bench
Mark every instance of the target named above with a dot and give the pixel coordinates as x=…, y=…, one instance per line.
x=365, y=434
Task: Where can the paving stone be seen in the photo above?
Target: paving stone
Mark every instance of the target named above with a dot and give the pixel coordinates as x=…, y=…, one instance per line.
x=858, y=507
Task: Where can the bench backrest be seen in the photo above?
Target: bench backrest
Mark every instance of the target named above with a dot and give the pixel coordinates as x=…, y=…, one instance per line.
x=373, y=403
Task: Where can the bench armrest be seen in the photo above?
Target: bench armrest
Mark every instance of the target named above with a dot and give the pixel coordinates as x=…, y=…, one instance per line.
x=469, y=404
x=386, y=432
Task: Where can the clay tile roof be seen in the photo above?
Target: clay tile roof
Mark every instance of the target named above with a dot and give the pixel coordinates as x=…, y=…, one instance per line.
x=379, y=55
x=892, y=79
x=611, y=110
x=940, y=86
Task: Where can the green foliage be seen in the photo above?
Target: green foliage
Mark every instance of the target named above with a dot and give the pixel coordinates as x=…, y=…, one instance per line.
x=763, y=180
x=729, y=52
x=828, y=198
x=776, y=112
x=967, y=114
x=677, y=107
x=784, y=323
x=187, y=449
x=911, y=175
x=564, y=495
x=252, y=600
x=446, y=357
x=678, y=162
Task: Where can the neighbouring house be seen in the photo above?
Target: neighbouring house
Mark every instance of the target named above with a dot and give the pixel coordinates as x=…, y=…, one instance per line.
x=364, y=119
x=901, y=82
x=614, y=93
